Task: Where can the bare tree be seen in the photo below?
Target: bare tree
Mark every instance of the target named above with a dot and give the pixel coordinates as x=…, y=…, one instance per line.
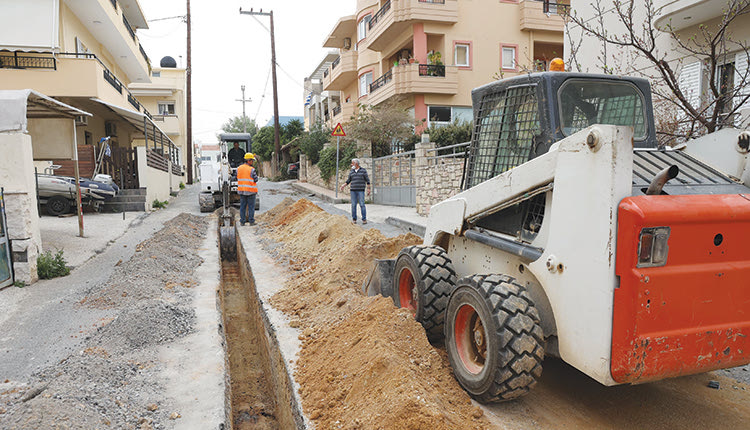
x=636, y=34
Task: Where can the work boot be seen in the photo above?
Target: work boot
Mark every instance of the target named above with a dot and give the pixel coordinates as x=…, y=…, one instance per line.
x=364, y=221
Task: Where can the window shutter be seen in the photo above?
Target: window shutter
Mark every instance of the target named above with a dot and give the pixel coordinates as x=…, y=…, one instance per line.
x=740, y=70
x=689, y=82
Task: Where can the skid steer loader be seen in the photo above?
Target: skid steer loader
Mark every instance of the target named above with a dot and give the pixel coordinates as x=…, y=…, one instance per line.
x=575, y=236
x=219, y=176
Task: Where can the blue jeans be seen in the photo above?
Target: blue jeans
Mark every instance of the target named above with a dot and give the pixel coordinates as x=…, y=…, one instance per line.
x=247, y=208
x=358, y=197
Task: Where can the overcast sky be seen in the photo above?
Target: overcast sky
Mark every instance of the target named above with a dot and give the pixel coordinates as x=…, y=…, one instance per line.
x=230, y=50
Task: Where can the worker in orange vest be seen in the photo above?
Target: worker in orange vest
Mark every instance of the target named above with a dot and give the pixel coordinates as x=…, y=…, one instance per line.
x=247, y=188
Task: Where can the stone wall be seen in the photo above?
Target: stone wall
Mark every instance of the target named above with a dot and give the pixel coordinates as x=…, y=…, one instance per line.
x=436, y=179
x=310, y=173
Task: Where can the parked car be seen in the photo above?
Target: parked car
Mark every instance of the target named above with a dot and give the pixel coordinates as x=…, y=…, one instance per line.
x=293, y=170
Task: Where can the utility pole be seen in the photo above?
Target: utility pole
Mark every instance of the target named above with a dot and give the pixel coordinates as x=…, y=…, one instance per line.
x=189, y=96
x=277, y=148
x=243, y=100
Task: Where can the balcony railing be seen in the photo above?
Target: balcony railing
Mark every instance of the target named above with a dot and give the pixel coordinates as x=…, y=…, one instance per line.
x=432, y=1
x=335, y=62
x=27, y=62
x=143, y=52
x=381, y=81
x=127, y=25
x=375, y=18
x=325, y=73
x=336, y=110
x=114, y=3
x=109, y=77
x=134, y=102
x=432, y=70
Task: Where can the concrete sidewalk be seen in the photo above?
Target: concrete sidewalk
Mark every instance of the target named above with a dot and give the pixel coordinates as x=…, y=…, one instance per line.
x=400, y=216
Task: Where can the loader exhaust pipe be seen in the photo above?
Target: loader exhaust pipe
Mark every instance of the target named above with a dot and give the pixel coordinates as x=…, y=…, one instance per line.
x=661, y=179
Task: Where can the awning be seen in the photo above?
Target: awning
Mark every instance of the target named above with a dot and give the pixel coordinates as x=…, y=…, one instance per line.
x=16, y=106
x=140, y=122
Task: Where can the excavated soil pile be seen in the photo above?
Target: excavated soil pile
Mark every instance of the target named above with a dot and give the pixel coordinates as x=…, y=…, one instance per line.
x=364, y=363
x=114, y=380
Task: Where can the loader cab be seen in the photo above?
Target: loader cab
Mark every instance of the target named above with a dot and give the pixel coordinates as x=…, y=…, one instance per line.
x=520, y=118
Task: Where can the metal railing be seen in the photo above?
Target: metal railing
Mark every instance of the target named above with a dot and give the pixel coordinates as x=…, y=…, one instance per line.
x=336, y=110
x=379, y=14
x=127, y=25
x=114, y=3
x=432, y=70
x=335, y=62
x=27, y=62
x=143, y=52
x=325, y=73
x=432, y=1
x=112, y=79
x=458, y=150
x=134, y=102
x=381, y=81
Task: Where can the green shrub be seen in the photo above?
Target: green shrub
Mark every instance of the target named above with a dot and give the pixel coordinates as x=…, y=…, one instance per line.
x=50, y=266
x=312, y=143
x=327, y=162
x=182, y=185
x=158, y=204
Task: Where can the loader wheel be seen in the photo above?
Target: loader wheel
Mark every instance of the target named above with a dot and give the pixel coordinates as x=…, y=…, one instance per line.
x=494, y=338
x=423, y=280
x=58, y=205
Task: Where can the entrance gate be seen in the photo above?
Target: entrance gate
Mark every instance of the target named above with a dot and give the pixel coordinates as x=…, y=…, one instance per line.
x=393, y=180
x=6, y=275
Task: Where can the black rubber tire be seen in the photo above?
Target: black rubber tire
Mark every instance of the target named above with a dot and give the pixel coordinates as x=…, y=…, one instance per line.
x=58, y=205
x=503, y=361
x=434, y=277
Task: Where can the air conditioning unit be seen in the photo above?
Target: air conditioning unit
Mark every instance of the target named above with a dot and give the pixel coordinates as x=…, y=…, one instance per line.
x=110, y=128
x=347, y=43
x=82, y=120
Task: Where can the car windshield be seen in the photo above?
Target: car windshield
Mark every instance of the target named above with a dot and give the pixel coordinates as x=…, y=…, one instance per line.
x=584, y=103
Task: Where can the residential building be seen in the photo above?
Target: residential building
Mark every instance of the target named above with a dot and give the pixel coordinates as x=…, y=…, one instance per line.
x=430, y=54
x=165, y=98
x=85, y=53
x=688, y=21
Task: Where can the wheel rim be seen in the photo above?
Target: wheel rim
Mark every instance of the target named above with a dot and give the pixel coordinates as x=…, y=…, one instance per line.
x=58, y=206
x=471, y=339
x=407, y=291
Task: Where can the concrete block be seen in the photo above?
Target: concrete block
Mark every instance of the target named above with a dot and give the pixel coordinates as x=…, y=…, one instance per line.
x=22, y=215
x=29, y=249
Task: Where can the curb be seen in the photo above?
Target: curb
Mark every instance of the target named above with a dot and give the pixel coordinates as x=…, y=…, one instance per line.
x=415, y=228
x=322, y=196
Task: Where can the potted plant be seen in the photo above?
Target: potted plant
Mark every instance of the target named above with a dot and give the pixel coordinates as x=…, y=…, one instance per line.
x=412, y=60
x=395, y=63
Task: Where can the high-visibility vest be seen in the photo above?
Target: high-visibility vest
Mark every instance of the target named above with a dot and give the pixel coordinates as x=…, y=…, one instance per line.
x=245, y=180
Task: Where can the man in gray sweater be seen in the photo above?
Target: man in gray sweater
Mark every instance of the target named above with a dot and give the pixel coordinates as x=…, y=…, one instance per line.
x=358, y=181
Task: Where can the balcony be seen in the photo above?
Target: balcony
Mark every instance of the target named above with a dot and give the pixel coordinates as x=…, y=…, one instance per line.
x=342, y=113
x=65, y=75
x=342, y=73
x=414, y=79
x=534, y=18
x=397, y=16
x=114, y=27
x=681, y=14
x=169, y=124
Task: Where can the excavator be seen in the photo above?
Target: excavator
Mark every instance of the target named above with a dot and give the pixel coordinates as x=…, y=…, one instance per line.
x=577, y=236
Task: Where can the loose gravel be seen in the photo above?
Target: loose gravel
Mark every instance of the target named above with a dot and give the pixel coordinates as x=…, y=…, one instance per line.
x=114, y=382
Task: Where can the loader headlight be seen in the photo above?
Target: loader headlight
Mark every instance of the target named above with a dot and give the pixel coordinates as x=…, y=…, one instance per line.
x=653, y=247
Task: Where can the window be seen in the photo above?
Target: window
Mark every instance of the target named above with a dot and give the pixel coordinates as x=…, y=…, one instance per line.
x=362, y=27
x=509, y=57
x=156, y=74
x=166, y=108
x=439, y=114
x=364, y=84
x=725, y=81
x=462, y=52
x=587, y=103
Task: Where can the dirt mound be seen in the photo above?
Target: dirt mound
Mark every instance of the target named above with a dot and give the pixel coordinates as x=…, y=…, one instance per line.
x=364, y=363
x=161, y=263
x=146, y=324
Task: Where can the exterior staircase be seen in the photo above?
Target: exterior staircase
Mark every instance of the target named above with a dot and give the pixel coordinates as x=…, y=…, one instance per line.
x=127, y=201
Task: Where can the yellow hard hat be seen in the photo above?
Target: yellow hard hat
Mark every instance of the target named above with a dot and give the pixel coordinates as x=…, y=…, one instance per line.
x=249, y=156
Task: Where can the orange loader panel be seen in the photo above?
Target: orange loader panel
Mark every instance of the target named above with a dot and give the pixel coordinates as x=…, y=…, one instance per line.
x=692, y=314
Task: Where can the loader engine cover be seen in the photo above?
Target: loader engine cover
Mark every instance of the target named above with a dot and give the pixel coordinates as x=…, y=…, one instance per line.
x=683, y=301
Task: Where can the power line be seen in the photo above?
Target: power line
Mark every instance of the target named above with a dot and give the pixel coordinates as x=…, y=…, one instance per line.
x=263, y=96
x=182, y=17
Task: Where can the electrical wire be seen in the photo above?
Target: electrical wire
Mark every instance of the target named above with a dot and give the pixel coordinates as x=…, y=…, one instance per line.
x=263, y=96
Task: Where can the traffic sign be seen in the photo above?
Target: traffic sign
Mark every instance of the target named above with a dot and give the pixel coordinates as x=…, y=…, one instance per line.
x=338, y=131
